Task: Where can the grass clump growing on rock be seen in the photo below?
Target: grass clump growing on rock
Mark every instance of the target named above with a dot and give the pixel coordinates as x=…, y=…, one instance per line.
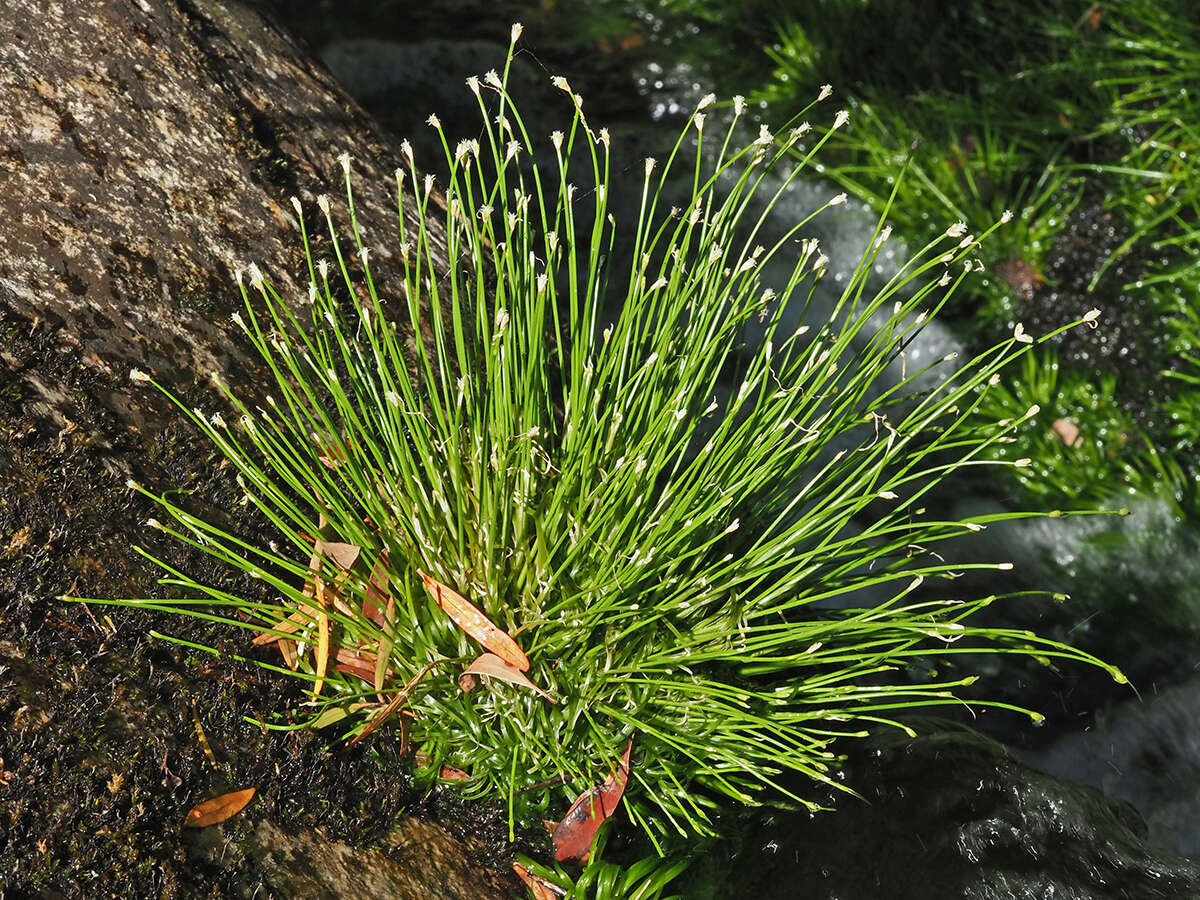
x=666, y=516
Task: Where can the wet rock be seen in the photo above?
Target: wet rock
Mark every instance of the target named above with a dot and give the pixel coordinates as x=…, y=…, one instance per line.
x=151, y=148
x=1145, y=752
x=953, y=814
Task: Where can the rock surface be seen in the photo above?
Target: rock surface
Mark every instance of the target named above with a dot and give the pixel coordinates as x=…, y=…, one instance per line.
x=1145, y=751
x=150, y=147
x=954, y=814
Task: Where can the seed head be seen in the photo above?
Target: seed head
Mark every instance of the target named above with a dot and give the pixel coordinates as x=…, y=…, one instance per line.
x=297, y=207
x=842, y=117
x=434, y=121
x=344, y=159
x=1006, y=217
x=138, y=375
x=826, y=90
x=958, y=229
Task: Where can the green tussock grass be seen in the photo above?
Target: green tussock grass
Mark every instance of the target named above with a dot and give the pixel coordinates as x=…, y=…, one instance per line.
x=664, y=514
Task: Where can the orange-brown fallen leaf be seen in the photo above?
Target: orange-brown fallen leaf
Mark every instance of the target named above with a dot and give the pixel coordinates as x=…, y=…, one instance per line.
x=1067, y=432
x=344, y=556
x=377, y=596
x=446, y=773
x=387, y=711
x=321, y=664
x=573, y=836
x=449, y=773
x=297, y=620
x=1022, y=277
x=467, y=617
x=367, y=675
x=385, y=643
x=538, y=886
x=287, y=649
x=218, y=809
x=492, y=666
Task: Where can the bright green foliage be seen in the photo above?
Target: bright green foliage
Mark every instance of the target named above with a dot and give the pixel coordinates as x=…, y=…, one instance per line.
x=657, y=509
x=646, y=879
x=1050, y=108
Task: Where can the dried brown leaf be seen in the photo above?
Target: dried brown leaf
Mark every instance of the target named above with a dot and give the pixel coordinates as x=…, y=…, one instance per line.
x=467, y=617
x=1067, y=432
x=344, y=556
x=377, y=591
x=538, y=886
x=493, y=666
x=385, y=644
x=218, y=809
x=574, y=834
x=288, y=650
x=301, y=618
x=387, y=711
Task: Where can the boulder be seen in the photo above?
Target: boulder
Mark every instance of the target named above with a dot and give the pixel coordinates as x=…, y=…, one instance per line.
x=151, y=148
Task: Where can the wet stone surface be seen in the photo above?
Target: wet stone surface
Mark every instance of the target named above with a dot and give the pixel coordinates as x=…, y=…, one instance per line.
x=953, y=814
x=150, y=149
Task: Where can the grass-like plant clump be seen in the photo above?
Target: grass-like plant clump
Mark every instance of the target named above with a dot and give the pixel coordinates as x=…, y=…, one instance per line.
x=654, y=519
